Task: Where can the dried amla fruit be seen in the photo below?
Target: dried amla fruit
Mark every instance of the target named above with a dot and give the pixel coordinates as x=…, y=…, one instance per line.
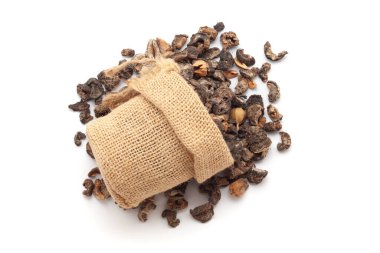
x=79, y=136
x=127, y=52
x=272, y=56
x=274, y=91
x=285, y=142
x=246, y=59
x=273, y=113
x=179, y=40
x=229, y=40
x=203, y=213
x=263, y=71
x=238, y=188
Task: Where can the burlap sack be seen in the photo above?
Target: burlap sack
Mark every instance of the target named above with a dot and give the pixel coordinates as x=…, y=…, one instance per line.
x=158, y=137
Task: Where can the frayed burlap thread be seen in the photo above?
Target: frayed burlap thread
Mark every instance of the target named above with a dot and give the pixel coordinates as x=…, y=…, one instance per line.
x=158, y=135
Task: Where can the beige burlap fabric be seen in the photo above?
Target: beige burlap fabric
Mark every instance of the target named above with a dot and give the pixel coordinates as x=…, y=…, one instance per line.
x=159, y=136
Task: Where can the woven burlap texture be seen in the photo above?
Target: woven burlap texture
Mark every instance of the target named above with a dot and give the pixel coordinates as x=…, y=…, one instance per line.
x=159, y=136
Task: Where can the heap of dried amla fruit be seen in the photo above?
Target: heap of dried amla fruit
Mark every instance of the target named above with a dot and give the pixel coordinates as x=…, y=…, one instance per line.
x=241, y=120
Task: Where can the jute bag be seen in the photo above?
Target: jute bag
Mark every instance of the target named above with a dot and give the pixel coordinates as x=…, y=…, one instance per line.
x=158, y=135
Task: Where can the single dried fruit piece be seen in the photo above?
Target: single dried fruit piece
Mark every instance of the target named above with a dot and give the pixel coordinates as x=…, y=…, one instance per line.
x=240, y=64
x=171, y=217
x=85, y=116
x=79, y=136
x=272, y=126
x=211, y=32
x=226, y=60
x=210, y=53
x=145, y=207
x=203, y=213
x=257, y=140
x=229, y=40
x=109, y=78
x=285, y=142
x=246, y=59
x=263, y=71
x=256, y=175
x=79, y=106
x=274, y=91
x=179, y=40
x=200, y=39
x=272, y=56
x=238, y=188
x=163, y=46
x=89, y=185
x=92, y=89
x=242, y=85
x=247, y=73
x=273, y=113
x=200, y=67
x=127, y=52
x=231, y=73
x=100, y=190
x=254, y=113
x=93, y=172
x=219, y=26
x=89, y=150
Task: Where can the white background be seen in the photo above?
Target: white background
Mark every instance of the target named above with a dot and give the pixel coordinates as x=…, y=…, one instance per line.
x=321, y=196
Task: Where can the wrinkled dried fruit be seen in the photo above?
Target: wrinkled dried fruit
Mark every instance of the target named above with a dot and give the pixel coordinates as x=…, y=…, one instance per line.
x=226, y=60
x=231, y=73
x=229, y=40
x=100, y=190
x=247, y=73
x=254, y=113
x=92, y=89
x=79, y=136
x=272, y=126
x=179, y=40
x=85, y=116
x=200, y=67
x=272, y=56
x=79, y=106
x=171, y=217
x=89, y=150
x=200, y=39
x=255, y=99
x=89, y=185
x=145, y=207
x=211, y=32
x=203, y=213
x=219, y=26
x=273, y=113
x=109, y=79
x=163, y=46
x=127, y=52
x=220, y=105
x=238, y=188
x=263, y=72
x=245, y=58
x=257, y=140
x=274, y=91
x=256, y=175
x=210, y=53
x=93, y=172
x=242, y=85
x=285, y=142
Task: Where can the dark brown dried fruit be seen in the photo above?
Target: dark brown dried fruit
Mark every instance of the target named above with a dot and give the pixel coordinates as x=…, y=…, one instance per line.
x=200, y=67
x=273, y=113
x=274, y=91
x=187, y=71
x=89, y=150
x=79, y=136
x=89, y=185
x=242, y=85
x=220, y=106
x=145, y=207
x=85, y=116
x=254, y=113
x=127, y=52
x=200, y=39
x=256, y=175
x=192, y=52
x=272, y=126
x=238, y=188
x=210, y=53
x=255, y=99
x=109, y=79
x=177, y=201
x=179, y=40
x=92, y=89
x=93, y=172
x=257, y=140
x=245, y=58
x=219, y=26
x=229, y=40
x=212, y=189
x=126, y=73
x=285, y=142
x=203, y=213
x=79, y=106
x=100, y=190
x=272, y=56
x=211, y=32
x=247, y=73
x=263, y=72
x=171, y=217
x=226, y=60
